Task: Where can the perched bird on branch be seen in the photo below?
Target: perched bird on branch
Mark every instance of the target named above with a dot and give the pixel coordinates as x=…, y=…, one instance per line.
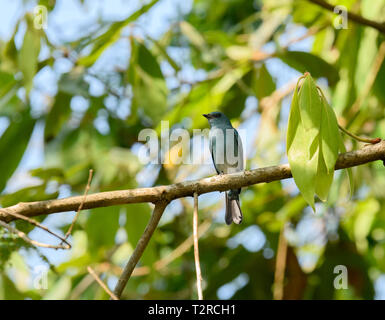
x=227, y=153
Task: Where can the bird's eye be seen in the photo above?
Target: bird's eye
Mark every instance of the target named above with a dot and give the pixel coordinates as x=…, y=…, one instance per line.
x=217, y=115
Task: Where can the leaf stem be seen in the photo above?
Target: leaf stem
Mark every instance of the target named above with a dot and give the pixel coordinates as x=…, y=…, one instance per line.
x=361, y=139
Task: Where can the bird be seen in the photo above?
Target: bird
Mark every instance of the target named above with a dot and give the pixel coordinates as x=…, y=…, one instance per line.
x=227, y=154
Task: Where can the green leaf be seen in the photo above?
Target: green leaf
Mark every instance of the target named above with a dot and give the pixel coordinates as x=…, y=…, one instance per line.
x=148, y=84
x=8, y=91
x=35, y=193
x=293, y=121
x=199, y=100
x=192, y=34
x=303, y=168
x=28, y=55
x=13, y=143
x=60, y=290
x=310, y=104
x=47, y=173
x=8, y=290
x=331, y=137
x=304, y=61
x=101, y=227
x=262, y=83
x=7, y=81
x=312, y=141
x=161, y=50
x=306, y=13
x=138, y=215
x=323, y=180
x=365, y=213
x=57, y=116
x=378, y=86
x=8, y=61
x=105, y=40
x=349, y=170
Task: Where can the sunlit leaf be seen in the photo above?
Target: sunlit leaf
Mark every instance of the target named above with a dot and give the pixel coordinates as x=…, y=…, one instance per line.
x=35, y=193
x=330, y=136
x=349, y=170
x=324, y=179
x=105, y=40
x=148, y=84
x=192, y=34
x=310, y=107
x=28, y=55
x=313, y=141
x=262, y=82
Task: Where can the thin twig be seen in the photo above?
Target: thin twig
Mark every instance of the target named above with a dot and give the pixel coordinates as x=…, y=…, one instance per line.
x=142, y=244
x=106, y=85
x=37, y=224
x=176, y=253
x=361, y=139
x=102, y=284
x=81, y=204
x=23, y=236
x=81, y=287
x=353, y=16
x=196, y=248
x=161, y=263
x=280, y=266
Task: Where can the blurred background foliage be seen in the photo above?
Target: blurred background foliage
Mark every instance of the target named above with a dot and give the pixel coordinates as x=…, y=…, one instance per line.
x=75, y=96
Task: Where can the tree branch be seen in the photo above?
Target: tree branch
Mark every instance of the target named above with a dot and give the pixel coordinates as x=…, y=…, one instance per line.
x=168, y=193
x=23, y=236
x=353, y=16
x=280, y=266
x=196, y=248
x=101, y=283
x=81, y=204
x=141, y=245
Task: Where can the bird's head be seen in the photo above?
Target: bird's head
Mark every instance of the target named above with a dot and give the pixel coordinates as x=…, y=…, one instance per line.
x=217, y=118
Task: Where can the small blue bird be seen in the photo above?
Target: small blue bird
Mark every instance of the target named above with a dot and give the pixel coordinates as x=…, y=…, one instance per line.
x=227, y=153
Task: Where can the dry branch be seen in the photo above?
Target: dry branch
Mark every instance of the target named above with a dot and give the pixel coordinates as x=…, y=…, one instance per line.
x=380, y=26
x=81, y=204
x=23, y=236
x=168, y=193
x=101, y=283
x=280, y=266
x=140, y=247
x=196, y=248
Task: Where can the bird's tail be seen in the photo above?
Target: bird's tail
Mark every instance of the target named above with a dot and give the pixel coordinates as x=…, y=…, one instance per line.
x=233, y=209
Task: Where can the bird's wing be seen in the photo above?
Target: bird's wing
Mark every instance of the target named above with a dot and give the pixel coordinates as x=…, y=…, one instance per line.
x=212, y=146
x=235, y=151
x=239, y=148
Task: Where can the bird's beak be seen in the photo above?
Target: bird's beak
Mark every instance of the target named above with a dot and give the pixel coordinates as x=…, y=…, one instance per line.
x=207, y=116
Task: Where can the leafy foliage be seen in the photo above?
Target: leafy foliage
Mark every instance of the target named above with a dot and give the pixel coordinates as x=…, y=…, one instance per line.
x=313, y=141
x=71, y=101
